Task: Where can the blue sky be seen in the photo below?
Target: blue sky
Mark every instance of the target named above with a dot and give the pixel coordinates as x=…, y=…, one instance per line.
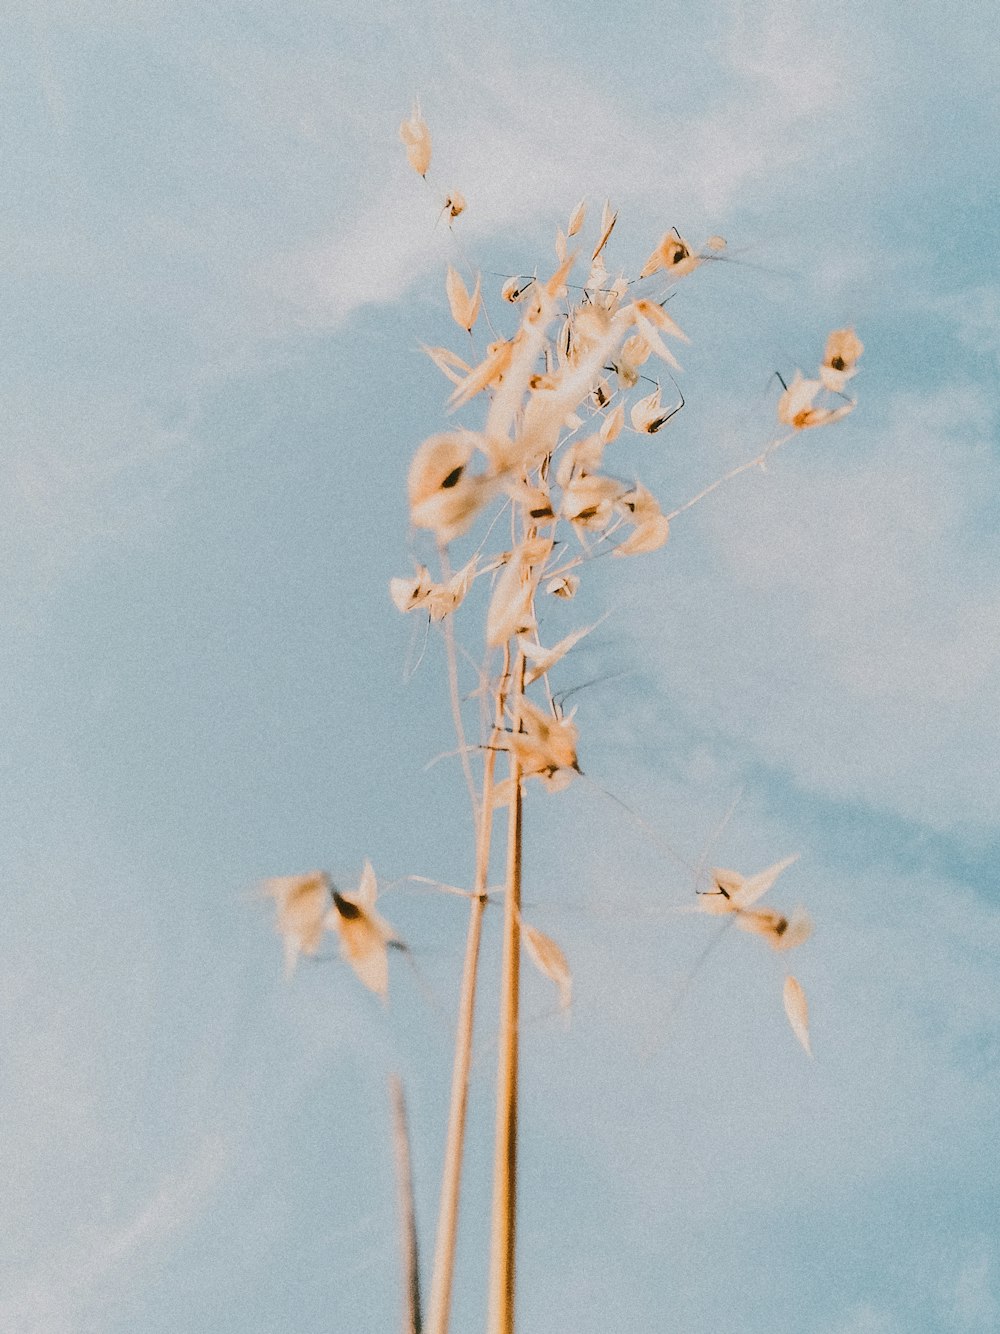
x=218, y=269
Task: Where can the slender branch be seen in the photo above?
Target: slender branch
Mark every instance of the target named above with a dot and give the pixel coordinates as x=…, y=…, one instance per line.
x=412, y=1323
x=502, y=1243
x=757, y=462
x=456, y=703
x=451, y=1177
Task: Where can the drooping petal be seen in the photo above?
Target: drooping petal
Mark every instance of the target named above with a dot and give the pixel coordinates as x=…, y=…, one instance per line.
x=797, y=1011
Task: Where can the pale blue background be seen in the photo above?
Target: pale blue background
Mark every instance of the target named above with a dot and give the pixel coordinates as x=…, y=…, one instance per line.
x=217, y=271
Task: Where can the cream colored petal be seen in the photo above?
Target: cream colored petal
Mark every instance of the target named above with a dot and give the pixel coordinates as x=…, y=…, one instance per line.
x=650, y=312
x=302, y=903
x=843, y=348
x=444, y=598
x=576, y=218
x=455, y=204
x=646, y=537
x=647, y=412
x=549, y=959
x=545, y=744
x=510, y=611
x=612, y=425
x=448, y=363
x=544, y=659
x=589, y=500
x=715, y=243
x=795, y=404
x=656, y=343
x=417, y=138
x=463, y=303
x=608, y=220
x=367, y=891
x=583, y=455
x=797, y=1010
x=563, y=586
x=410, y=593
x=487, y=373
x=517, y=288
x=363, y=938
x=756, y=886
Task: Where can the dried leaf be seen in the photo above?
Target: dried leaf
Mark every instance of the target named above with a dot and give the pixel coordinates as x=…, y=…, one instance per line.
x=797, y=1010
x=549, y=959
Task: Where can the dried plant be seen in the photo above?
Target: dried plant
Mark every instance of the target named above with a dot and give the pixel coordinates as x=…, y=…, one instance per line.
x=554, y=400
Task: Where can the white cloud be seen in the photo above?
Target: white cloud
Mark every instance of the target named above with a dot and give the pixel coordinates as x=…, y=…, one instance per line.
x=70, y=1289
x=970, y=1302
x=534, y=138
x=839, y=622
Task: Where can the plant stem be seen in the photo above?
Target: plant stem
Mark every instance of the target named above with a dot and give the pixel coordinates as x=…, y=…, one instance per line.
x=451, y=1176
x=412, y=1323
x=502, y=1241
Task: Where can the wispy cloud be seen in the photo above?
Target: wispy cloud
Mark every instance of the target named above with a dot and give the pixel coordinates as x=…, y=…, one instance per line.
x=72, y=1289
